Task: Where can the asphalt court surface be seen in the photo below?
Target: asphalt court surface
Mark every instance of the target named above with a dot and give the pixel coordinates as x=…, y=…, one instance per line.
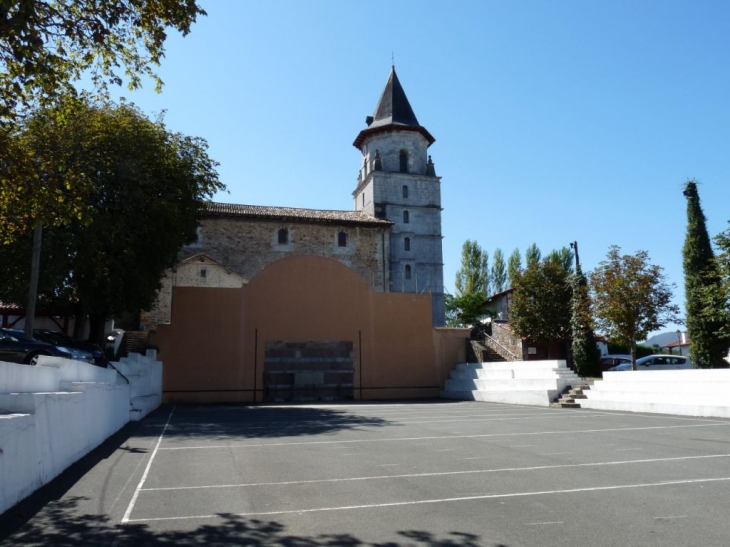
x=393, y=474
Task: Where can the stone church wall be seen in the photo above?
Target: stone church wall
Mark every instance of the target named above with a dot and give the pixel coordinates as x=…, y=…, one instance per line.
x=247, y=246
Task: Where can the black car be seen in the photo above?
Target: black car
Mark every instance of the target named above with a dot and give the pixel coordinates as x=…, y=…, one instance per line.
x=16, y=349
x=81, y=351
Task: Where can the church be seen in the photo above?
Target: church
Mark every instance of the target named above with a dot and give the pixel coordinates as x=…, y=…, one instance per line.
x=281, y=303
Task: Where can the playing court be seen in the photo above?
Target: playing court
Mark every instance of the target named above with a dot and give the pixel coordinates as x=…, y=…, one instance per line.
x=392, y=474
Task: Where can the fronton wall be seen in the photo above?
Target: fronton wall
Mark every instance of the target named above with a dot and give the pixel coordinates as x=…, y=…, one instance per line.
x=215, y=348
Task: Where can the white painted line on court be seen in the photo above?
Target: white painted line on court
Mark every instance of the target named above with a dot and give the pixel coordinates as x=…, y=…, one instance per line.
x=671, y=517
x=446, y=500
x=627, y=414
x=442, y=473
x=543, y=523
x=442, y=437
x=128, y=512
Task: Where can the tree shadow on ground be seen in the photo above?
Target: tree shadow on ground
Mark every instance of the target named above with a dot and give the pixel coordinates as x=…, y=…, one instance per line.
x=215, y=422
x=60, y=526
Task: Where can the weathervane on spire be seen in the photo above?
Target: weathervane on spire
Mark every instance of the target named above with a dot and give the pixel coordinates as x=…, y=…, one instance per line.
x=392, y=59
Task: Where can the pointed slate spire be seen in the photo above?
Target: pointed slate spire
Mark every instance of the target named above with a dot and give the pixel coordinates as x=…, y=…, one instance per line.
x=392, y=112
x=393, y=106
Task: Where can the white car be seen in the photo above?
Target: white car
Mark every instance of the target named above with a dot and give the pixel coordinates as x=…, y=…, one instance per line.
x=658, y=362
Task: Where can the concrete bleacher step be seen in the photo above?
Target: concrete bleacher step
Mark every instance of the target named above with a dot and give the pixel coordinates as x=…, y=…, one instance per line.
x=696, y=392
x=517, y=382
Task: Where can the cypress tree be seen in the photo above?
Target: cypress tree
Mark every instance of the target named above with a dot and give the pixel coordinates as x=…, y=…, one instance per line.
x=708, y=346
x=585, y=351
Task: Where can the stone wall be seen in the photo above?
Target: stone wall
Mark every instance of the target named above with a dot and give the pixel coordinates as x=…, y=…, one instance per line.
x=247, y=246
x=503, y=334
x=198, y=271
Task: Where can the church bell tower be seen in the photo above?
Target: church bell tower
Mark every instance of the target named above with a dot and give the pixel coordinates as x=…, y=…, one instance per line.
x=398, y=182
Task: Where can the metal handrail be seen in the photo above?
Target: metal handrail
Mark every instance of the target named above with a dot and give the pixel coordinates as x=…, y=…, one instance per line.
x=489, y=340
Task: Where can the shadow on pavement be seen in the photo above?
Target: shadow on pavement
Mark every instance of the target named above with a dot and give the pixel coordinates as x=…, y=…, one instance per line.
x=230, y=422
x=59, y=527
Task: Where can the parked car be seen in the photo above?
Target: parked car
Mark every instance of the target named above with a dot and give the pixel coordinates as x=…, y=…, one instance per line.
x=16, y=349
x=658, y=362
x=81, y=351
x=612, y=360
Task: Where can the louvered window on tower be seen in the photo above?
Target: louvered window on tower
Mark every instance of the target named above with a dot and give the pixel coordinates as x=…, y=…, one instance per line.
x=408, y=272
x=283, y=236
x=406, y=217
x=404, y=161
x=407, y=244
x=405, y=191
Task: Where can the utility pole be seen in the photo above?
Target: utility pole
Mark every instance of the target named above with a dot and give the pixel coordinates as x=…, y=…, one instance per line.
x=574, y=246
x=35, y=266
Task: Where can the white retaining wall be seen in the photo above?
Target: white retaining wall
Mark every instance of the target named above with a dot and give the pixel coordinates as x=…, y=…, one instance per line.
x=695, y=392
x=56, y=412
x=515, y=382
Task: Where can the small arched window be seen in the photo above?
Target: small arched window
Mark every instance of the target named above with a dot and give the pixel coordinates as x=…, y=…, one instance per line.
x=407, y=244
x=405, y=191
x=403, y=157
x=408, y=272
x=406, y=217
x=342, y=239
x=283, y=236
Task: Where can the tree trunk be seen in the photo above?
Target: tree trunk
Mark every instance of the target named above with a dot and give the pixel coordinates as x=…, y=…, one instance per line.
x=97, y=322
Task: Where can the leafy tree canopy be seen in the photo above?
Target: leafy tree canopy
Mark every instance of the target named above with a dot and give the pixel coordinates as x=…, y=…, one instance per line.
x=473, y=276
x=499, y=272
x=532, y=255
x=563, y=257
x=541, y=302
x=47, y=45
x=144, y=188
x=631, y=297
x=464, y=311
x=514, y=265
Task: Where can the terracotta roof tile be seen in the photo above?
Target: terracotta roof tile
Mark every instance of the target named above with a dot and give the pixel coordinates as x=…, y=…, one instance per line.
x=292, y=213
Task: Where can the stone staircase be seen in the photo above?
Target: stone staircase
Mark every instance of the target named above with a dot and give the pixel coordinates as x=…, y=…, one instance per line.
x=572, y=394
x=482, y=353
x=514, y=382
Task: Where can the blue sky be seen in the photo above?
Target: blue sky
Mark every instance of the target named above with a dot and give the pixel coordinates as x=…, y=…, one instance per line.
x=555, y=121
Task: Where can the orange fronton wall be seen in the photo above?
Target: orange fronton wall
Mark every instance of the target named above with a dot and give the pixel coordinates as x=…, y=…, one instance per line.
x=213, y=349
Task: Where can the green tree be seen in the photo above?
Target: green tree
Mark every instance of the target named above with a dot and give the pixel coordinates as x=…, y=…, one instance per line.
x=464, y=311
x=541, y=303
x=532, y=255
x=46, y=46
x=716, y=297
x=473, y=276
x=146, y=187
x=514, y=266
x=631, y=298
x=586, y=355
x=563, y=257
x=499, y=272
x=708, y=346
